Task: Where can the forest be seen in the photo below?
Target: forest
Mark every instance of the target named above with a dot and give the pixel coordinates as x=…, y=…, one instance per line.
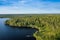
x=48, y=25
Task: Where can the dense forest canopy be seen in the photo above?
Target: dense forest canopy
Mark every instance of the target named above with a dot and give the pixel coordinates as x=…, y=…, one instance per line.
x=48, y=25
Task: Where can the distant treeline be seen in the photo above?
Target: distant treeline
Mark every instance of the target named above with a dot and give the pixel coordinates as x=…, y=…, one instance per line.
x=17, y=15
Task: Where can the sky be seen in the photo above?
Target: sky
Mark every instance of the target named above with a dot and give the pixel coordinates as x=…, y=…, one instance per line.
x=29, y=6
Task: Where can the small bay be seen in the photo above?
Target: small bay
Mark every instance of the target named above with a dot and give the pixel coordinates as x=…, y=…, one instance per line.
x=9, y=33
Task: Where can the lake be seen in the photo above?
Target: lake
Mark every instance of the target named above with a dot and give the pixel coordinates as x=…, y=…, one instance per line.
x=10, y=33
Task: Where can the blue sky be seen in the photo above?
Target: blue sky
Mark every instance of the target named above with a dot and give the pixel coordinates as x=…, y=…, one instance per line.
x=29, y=6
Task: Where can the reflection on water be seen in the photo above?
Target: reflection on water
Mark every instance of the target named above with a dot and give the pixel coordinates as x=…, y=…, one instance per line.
x=9, y=33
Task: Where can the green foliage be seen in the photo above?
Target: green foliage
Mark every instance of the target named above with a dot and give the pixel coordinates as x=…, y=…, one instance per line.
x=48, y=25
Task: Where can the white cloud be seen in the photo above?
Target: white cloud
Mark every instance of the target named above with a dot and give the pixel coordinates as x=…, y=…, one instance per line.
x=12, y=10
x=29, y=6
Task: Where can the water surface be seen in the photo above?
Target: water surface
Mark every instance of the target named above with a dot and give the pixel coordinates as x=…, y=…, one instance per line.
x=9, y=33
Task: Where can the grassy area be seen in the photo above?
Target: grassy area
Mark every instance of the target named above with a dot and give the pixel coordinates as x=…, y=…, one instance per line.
x=48, y=25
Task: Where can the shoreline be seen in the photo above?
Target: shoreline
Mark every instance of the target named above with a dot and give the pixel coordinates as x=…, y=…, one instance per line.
x=34, y=35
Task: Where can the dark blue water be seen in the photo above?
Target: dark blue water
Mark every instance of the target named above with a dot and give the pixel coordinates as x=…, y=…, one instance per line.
x=9, y=33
